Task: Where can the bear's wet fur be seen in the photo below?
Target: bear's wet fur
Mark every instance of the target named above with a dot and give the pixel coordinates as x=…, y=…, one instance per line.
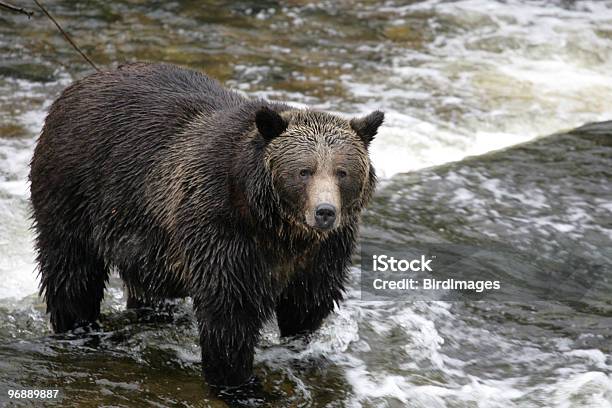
x=189, y=189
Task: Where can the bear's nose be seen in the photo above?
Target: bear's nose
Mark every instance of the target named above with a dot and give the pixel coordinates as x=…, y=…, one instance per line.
x=325, y=215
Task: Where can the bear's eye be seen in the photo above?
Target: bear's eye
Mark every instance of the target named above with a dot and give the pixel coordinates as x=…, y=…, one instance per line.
x=305, y=173
x=342, y=173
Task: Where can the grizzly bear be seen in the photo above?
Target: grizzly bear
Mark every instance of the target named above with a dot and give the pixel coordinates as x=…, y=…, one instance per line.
x=189, y=189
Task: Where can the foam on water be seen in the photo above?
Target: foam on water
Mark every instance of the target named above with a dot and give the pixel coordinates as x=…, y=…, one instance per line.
x=592, y=389
x=17, y=276
x=495, y=74
x=571, y=387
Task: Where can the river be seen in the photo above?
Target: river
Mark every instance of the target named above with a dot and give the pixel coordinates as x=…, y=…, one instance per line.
x=479, y=98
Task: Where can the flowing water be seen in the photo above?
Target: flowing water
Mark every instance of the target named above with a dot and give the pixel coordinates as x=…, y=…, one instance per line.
x=456, y=79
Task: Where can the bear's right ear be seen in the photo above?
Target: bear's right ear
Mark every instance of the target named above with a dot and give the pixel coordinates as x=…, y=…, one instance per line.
x=269, y=123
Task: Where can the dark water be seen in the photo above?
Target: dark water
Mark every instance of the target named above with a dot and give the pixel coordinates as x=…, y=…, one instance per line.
x=456, y=79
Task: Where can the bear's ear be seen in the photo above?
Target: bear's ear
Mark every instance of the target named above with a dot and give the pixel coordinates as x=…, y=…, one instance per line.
x=269, y=123
x=367, y=127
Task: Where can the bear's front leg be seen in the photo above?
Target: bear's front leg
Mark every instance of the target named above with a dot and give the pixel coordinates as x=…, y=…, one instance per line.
x=232, y=299
x=228, y=346
x=301, y=312
x=311, y=295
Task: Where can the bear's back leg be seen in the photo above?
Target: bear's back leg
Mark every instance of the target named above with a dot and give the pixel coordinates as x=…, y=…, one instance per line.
x=73, y=278
x=134, y=293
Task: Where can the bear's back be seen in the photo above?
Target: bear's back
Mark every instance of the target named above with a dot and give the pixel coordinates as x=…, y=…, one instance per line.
x=106, y=132
x=176, y=85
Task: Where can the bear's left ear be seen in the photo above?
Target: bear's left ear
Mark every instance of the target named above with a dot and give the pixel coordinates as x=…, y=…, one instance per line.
x=269, y=123
x=367, y=127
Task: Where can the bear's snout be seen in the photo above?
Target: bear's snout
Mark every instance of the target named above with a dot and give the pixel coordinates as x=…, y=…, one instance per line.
x=323, y=204
x=325, y=216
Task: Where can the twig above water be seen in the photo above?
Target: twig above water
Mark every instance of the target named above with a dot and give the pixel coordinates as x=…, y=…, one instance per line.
x=66, y=36
x=16, y=9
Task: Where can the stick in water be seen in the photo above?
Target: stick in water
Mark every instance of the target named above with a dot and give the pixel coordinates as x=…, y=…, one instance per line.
x=66, y=36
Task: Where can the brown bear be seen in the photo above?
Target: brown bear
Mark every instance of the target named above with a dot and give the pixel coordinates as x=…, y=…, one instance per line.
x=188, y=189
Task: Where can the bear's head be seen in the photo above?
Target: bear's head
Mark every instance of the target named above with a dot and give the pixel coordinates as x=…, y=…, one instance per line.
x=319, y=164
